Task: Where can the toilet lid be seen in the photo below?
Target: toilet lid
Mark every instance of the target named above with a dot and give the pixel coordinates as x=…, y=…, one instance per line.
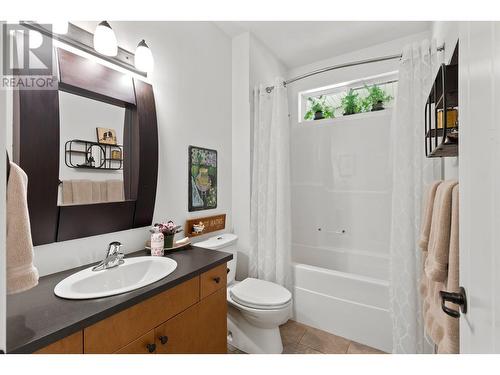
x=260, y=294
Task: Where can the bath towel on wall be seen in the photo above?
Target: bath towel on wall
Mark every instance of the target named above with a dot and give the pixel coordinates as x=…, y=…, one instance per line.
x=424, y=240
x=436, y=264
x=442, y=328
x=21, y=273
x=427, y=216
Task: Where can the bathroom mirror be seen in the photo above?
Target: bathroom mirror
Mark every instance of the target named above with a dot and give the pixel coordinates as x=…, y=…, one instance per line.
x=90, y=150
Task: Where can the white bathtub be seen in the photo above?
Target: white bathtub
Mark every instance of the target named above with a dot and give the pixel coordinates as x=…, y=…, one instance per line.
x=353, y=304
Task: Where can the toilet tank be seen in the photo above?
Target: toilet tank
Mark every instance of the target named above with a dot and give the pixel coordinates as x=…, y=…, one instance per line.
x=224, y=242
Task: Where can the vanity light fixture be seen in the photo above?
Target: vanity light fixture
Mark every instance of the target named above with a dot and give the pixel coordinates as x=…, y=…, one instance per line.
x=60, y=27
x=143, y=57
x=105, y=40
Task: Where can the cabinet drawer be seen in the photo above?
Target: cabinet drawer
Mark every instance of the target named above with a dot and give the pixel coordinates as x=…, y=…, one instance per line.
x=143, y=345
x=115, y=332
x=213, y=280
x=69, y=345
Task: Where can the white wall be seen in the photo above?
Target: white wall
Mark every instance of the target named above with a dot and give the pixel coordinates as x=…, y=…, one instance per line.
x=446, y=32
x=253, y=64
x=479, y=95
x=265, y=67
x=192, y=85
x=241, y=148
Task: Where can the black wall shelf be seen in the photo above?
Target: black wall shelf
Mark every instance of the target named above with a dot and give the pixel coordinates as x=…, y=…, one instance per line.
x=78, y=152
x=442, y=141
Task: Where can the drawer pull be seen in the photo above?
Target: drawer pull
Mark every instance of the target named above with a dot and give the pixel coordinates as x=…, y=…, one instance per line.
x=217, y=279
x=163, y=339
x=227, y=270
x=151, y=347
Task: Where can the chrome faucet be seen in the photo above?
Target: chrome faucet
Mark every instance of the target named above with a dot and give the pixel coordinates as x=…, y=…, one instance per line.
x=113, y=257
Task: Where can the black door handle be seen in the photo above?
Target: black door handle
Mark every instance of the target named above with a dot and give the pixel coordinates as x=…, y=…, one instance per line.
x=217, y=279
x=151, y=347
x=459, y=298
x=227, y=270
x=163, y=339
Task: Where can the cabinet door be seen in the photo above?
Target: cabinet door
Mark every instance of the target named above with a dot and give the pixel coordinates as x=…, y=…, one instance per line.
x=179, y=335
x=143, y=345
x=212, y=324
x=117, y=331
x=72, y=344
x=213, y=280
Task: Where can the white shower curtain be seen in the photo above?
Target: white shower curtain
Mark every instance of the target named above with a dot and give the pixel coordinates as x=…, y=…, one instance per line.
x=412, y=172
x=270, y=223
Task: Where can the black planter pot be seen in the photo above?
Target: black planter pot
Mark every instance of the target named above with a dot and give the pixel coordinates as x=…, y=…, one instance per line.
x=318, y=115
x=378, y=106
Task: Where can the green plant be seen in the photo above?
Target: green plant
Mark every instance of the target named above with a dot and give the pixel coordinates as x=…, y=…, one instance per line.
x=319, y=105
x=375, y=95
x=351, y=103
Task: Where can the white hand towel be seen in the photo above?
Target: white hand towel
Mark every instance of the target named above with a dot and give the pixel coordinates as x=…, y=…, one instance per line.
x=21, y=273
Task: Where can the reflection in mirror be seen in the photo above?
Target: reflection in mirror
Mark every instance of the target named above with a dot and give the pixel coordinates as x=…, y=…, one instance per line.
x=91, y=155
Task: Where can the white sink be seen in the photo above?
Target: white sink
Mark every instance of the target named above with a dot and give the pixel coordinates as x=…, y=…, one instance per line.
x=133, y=274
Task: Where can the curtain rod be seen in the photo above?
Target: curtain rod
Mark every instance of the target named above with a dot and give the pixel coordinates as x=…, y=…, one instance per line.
x=344, y=65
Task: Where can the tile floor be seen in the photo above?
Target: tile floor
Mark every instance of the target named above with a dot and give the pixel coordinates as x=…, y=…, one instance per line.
x=301, y=339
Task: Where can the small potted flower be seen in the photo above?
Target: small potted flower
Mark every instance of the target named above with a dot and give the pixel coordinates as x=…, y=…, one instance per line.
x=169, y=229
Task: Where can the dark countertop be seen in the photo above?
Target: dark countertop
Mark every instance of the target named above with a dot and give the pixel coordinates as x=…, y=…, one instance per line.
x=37, y=317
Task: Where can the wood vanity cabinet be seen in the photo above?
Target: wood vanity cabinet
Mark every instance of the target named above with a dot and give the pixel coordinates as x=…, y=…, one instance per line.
x=188, y=318
x=72, y=344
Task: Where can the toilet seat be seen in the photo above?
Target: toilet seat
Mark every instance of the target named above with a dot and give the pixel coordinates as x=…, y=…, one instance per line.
x=260, y=294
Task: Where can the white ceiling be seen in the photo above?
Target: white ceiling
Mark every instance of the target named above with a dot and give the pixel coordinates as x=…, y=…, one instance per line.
x=298, y=43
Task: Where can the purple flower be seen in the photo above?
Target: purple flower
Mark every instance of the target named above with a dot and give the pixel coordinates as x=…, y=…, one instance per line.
x=169, y=228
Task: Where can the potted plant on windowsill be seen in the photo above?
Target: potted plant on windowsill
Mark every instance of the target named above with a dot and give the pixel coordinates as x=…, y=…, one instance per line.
x=376, y=99
x=319, y=109
x=351, y=103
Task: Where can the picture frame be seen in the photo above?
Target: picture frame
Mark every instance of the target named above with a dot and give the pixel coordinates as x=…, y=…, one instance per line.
x=106, y=136
x=202, y=178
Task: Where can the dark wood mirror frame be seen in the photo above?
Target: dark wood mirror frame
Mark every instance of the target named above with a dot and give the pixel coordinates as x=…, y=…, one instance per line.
x=36, y=147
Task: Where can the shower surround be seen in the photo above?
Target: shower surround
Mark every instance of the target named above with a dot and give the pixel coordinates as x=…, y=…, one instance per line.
x=341, y=215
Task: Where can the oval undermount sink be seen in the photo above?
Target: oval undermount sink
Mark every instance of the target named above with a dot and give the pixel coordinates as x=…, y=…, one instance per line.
x=133, y=274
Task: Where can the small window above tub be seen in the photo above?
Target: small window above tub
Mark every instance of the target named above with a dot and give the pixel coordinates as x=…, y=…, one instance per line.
x=368, y=94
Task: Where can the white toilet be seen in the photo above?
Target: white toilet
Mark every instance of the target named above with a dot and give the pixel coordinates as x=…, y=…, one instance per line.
x=256, y=308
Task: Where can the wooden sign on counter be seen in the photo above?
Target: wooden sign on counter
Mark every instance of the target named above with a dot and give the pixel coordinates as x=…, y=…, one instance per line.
x=210, y=223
